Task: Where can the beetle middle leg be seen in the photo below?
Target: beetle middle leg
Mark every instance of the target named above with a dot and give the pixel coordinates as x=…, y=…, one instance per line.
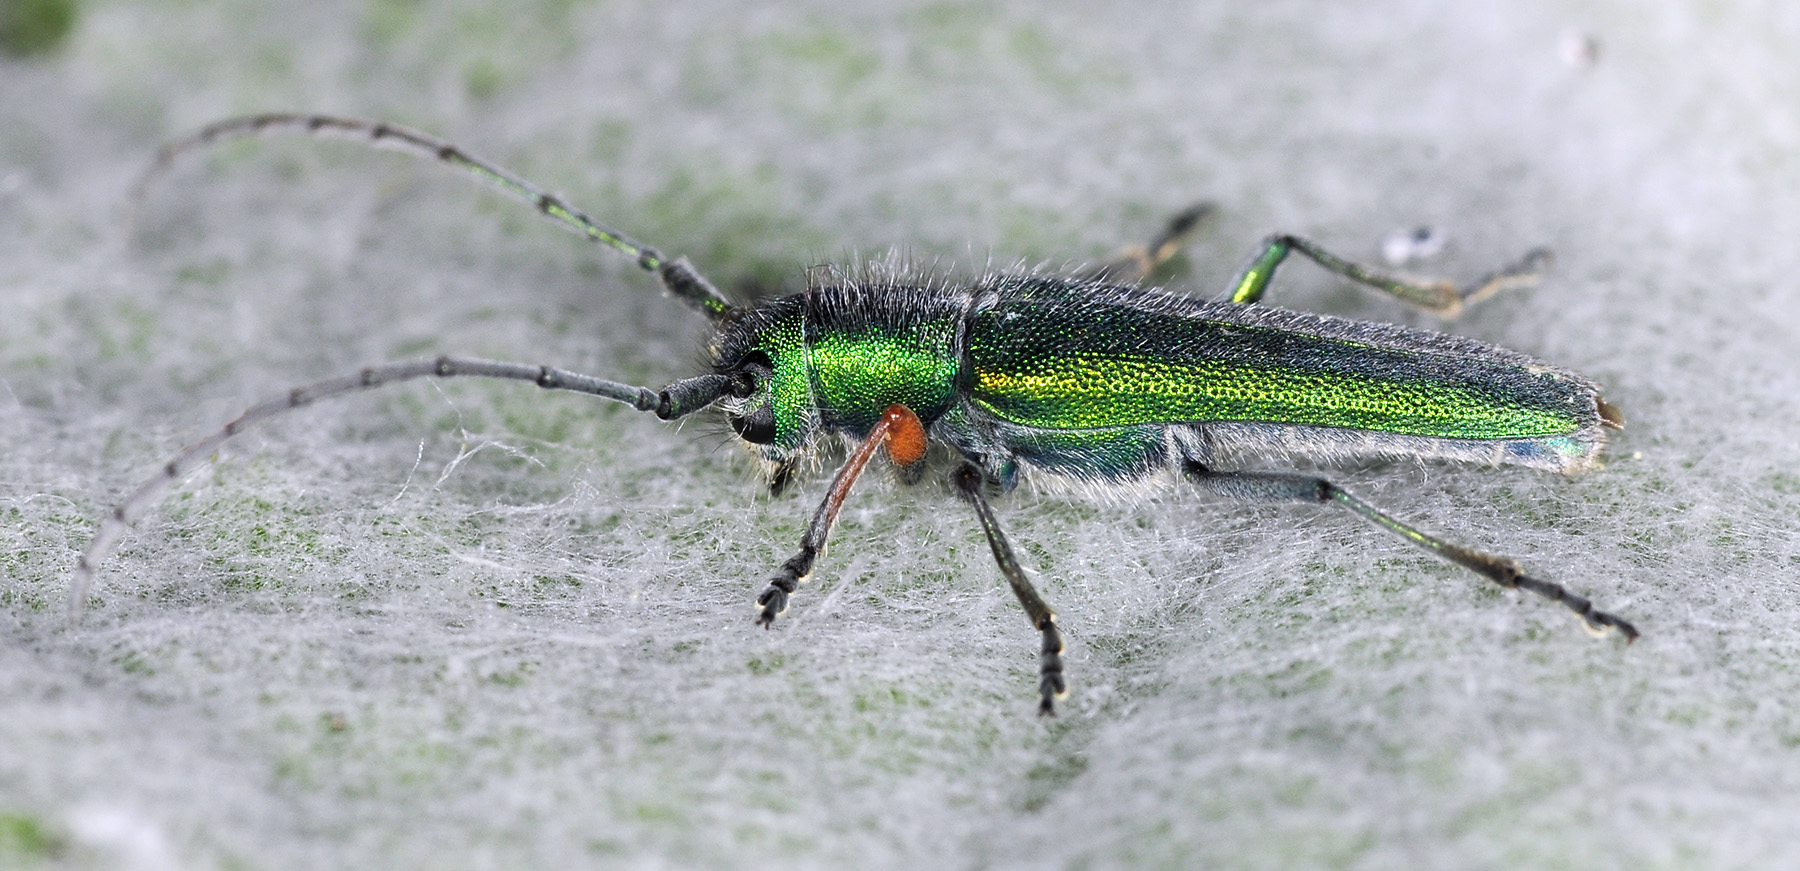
x=969, y=484
x=1442, y=298
x=1283, y=487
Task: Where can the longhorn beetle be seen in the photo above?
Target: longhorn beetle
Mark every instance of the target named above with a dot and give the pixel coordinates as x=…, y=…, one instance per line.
x=1084, y=377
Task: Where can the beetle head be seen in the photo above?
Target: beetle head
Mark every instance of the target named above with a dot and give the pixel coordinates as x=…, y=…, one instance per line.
x=770, y=404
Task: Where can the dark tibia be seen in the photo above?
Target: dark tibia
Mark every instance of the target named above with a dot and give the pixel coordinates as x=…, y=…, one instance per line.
x=1051, y=686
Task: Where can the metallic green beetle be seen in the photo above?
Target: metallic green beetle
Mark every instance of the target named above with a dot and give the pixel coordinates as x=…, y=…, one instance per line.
x=1086, y=378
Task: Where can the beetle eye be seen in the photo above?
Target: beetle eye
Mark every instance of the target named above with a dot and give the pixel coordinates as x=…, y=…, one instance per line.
x=749, y=374
x=757, y=427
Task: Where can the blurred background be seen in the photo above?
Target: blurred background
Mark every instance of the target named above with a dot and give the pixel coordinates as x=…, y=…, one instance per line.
x=474, y=625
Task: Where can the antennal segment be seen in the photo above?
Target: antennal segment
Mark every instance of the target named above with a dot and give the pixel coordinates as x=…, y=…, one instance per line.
x=679, y=399
x=678, y=276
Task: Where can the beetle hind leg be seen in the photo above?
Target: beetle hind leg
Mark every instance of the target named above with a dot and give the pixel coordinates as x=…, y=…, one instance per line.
x=1280, y=487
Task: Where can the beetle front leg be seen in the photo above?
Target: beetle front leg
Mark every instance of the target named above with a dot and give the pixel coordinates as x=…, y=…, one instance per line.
x=1441, y=298
x=969, y=484
x=1279, y=487
x=901, y=433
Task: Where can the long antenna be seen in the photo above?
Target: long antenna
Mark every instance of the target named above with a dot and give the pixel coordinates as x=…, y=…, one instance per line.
x=679, y=399
x=678, y=276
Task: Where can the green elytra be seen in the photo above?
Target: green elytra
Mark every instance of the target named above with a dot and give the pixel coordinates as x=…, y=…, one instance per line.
x=1086, y=377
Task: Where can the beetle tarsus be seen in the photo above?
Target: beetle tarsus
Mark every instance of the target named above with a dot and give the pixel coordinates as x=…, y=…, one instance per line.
x=1051, y=685
x=1597, y=621
x=774, y=598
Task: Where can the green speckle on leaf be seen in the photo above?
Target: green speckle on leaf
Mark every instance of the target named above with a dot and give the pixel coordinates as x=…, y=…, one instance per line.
x=32, y=27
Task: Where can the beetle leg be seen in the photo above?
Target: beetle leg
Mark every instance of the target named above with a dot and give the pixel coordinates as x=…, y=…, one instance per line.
x=1441, y=298
x=1135, y=264
x=901, y=433
x=969, y=484
x=1279, y=487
